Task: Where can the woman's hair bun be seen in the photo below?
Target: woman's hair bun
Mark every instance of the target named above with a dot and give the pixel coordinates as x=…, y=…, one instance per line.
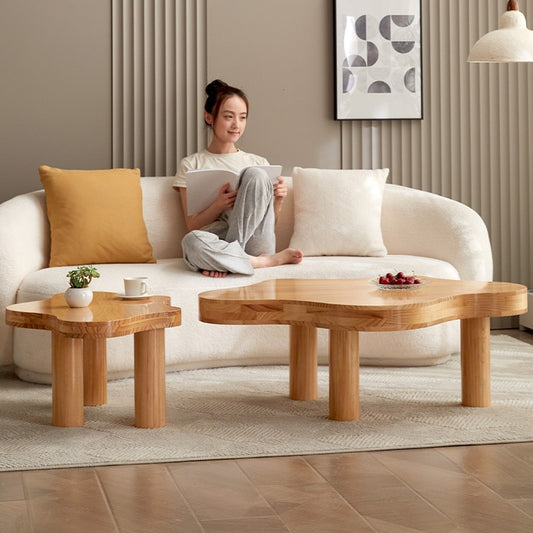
x=217, y=92
x=214, y=86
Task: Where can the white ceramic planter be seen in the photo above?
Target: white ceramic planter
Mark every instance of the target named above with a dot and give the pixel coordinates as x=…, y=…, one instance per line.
x=78, y=297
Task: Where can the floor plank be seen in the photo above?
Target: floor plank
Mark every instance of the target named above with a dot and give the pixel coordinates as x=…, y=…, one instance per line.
x=67, y=500
x=145, y=498
x=14, y=516
x=383, y=498
x=461, y=497
x=293, y=488
x=218, y=490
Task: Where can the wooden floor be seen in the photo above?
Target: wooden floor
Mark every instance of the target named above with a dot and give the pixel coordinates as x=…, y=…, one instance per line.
x=453, y=489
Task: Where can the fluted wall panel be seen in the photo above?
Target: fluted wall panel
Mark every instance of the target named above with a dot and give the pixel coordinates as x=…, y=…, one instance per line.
x=159, y=73
x=474, y=142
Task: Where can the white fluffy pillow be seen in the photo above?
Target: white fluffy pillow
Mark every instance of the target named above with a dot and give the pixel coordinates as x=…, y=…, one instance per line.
x=338, y=212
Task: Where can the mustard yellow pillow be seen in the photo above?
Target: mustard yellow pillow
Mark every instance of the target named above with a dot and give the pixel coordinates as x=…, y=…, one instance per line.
x=95, y=216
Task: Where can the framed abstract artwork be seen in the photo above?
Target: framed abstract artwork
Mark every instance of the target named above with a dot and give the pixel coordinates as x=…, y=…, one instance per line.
x=378, y=59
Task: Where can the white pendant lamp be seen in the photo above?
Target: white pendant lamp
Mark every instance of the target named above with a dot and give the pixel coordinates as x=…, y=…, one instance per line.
x=511, y=43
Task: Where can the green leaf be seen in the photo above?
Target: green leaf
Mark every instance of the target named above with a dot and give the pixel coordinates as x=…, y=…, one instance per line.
x=82, y=276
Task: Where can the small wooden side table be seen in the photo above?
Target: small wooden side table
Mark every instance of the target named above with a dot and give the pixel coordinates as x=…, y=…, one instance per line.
x=79, y=360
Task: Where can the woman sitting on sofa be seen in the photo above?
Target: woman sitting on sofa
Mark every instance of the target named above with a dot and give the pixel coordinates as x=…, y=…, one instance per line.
x=236, y=232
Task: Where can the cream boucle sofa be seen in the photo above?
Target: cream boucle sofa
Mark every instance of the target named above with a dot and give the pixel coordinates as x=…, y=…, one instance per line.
x=423, y=232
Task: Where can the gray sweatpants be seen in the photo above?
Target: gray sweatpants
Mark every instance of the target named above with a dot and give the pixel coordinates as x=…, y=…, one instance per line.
x=249, y=231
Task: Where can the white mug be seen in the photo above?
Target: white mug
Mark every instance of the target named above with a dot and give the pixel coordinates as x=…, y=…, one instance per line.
x=135, y=286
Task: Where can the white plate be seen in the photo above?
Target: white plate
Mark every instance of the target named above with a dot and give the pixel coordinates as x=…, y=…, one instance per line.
x=398, y=287
x=138, y=297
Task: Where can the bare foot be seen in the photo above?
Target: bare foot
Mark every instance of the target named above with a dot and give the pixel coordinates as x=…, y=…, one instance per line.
x=214, y=274
x=285, y=257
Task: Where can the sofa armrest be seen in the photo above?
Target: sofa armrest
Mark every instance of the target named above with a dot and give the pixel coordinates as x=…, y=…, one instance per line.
x=420, y=223
x=24, y=248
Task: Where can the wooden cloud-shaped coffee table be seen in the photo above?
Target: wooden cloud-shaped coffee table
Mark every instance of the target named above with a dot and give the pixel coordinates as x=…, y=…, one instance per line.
x=79, y=360
x=346, y=307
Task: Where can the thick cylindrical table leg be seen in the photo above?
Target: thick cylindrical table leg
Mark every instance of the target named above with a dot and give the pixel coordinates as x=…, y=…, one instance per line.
x=303, y=367
x=475, y=362
x=67, y=381
x=94, y=371
x=150, y=402
x=343, y=375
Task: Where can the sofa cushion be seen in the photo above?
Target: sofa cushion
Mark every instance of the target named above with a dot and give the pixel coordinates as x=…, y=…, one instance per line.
x=338, y=212
x=95, y=216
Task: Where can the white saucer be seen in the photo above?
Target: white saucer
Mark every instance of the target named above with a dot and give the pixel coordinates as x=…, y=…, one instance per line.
x=136, y=297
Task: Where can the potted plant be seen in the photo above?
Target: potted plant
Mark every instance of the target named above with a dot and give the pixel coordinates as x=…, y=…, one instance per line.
x=79, y=294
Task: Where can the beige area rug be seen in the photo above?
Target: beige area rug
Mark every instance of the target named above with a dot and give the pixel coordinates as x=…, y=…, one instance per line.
x=245, y=412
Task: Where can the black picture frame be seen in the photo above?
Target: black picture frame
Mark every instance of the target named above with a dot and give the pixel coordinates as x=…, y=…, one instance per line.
x=378, y=59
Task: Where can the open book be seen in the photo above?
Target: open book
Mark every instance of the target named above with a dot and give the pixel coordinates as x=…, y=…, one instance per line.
x=203, y=184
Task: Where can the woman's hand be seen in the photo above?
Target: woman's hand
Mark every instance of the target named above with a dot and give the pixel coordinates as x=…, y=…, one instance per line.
x=225, y=198
x=280, y=190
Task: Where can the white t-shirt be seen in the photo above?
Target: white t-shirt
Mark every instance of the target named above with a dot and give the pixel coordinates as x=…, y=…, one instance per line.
x=235, y=161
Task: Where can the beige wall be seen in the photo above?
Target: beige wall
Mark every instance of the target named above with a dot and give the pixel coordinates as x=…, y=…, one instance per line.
x=280, y=53
x=55, y=96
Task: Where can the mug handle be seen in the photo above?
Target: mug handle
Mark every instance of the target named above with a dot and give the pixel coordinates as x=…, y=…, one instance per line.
x=143, y=287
